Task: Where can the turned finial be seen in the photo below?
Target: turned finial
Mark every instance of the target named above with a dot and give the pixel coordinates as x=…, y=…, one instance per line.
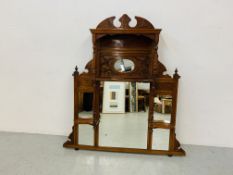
x=176, y=75
x=76, y=71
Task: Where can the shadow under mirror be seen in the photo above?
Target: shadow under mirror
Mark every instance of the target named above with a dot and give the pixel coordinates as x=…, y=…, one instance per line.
x=124, y=115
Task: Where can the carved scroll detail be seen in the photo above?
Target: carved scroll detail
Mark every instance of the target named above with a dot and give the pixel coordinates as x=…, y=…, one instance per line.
x=90, y=66
x=125, y=20
x=158, y=68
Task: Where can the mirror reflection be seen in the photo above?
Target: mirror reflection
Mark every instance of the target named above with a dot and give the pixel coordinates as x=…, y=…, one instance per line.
x=162, y=113
x=85, y=104
x=86, y=135
x=163, y=108
x=160, y=139
x=124, y=115
x=124, y=110
x=124, y=65
x=86, y=131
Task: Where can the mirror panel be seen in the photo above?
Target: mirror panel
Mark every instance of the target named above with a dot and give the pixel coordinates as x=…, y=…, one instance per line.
x=160, y=139
x=86, y=134
x=85, y=104
x=127, y=128
x=85, y=114
x=124, y=65
x=163, y=108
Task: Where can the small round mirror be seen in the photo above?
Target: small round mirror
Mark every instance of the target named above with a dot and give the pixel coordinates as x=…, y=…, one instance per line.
x=124, y=65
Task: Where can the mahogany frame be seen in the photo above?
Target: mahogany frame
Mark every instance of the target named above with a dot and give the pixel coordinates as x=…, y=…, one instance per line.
x=148, y=69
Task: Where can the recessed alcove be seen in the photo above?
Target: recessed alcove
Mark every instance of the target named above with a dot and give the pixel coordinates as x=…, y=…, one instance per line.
x=135, y=48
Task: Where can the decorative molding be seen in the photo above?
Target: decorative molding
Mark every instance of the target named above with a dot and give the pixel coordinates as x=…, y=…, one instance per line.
x=108, y=23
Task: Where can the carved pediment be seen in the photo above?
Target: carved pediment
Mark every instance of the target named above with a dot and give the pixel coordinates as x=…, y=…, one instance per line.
x=108, y=23
x=138, y=43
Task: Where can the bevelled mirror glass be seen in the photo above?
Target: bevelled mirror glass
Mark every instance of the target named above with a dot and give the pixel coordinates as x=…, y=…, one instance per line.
x=86, y=135
x=160, y=139
x=124, y=110
x=124, y=115
x=85, y=111
x=124, y=65
x=163, y=108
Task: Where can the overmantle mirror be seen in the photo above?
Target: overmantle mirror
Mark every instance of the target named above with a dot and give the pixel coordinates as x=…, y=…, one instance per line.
x=125, y=102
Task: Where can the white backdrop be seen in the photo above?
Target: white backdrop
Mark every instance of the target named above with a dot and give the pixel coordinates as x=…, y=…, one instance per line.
x=42, y=41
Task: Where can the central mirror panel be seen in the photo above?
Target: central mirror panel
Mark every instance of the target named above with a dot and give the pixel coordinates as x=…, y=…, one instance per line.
x=124, y=115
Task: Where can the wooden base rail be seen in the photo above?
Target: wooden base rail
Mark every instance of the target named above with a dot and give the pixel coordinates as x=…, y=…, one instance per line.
x=179, y=152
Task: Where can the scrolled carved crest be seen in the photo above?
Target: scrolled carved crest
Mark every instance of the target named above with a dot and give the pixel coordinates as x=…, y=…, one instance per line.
x=108, y=23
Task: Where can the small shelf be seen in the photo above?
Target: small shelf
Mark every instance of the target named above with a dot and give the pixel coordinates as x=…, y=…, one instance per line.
x=161, y=124
x=124, y=79
x=89, y=121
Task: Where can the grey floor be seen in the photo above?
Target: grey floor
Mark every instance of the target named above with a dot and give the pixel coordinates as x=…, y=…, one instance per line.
x=28, y=154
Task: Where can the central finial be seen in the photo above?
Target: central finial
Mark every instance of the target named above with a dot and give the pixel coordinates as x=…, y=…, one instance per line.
x=125, y=19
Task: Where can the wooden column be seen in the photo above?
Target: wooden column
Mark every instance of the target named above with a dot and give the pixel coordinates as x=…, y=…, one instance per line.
x=96, y=112
x=173, y=113
x=76, y=105
x=150, y=116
